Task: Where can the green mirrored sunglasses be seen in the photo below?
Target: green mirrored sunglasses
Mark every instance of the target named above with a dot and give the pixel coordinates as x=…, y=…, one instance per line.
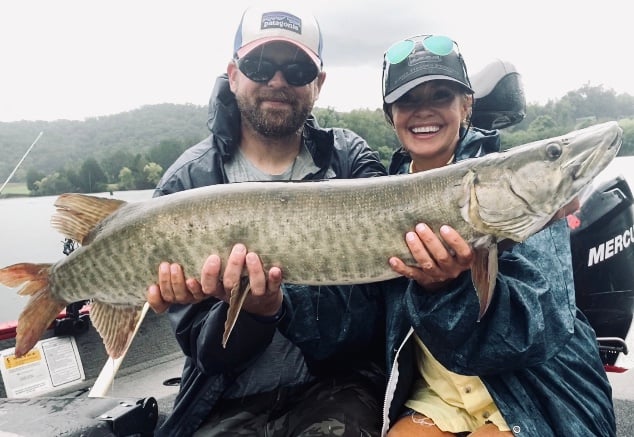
x=437, y=44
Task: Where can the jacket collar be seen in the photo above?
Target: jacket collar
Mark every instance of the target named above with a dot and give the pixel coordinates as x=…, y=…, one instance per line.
x=223, y=116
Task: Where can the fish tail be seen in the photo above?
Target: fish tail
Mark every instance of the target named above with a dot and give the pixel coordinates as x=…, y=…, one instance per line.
x=41, y=309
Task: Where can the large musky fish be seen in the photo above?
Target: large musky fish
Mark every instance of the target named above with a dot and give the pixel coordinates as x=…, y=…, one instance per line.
x=319, y=233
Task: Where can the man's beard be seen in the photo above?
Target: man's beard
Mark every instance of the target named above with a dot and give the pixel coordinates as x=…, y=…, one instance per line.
x=274, y=123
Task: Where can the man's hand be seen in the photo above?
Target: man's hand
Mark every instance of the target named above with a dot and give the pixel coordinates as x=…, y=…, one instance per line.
x=438, y=260
x=265, y=297
x=172, y=287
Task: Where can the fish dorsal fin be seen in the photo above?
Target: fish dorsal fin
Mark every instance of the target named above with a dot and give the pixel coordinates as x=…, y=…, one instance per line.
x=78, y=214
x=115, y=325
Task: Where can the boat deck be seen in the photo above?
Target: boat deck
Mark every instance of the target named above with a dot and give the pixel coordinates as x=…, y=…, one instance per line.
x=153, y=360
x=149, y=379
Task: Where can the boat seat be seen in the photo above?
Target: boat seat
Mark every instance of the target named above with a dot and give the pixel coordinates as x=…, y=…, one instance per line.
x=499, y=96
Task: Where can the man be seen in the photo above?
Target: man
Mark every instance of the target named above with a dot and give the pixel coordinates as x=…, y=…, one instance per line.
x=262, y=129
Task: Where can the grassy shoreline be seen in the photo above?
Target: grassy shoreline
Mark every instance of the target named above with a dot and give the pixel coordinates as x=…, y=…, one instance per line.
x=15, y=189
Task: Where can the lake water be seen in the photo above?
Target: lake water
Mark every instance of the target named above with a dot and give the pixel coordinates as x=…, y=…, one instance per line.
x=26, y=235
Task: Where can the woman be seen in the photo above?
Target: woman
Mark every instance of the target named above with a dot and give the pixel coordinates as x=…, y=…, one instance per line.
x=531, y=365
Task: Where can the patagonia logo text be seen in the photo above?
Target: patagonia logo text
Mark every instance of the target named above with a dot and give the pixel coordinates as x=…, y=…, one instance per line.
x=281, y=20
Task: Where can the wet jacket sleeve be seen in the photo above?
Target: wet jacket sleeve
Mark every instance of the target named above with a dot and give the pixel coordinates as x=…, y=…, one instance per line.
x=330, y=322
x=199, y=329
x=531, y=316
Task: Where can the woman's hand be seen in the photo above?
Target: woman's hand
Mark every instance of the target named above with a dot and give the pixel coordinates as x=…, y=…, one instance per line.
x=438, y=260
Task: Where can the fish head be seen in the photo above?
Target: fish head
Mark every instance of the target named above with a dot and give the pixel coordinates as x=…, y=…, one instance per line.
x=528, y=184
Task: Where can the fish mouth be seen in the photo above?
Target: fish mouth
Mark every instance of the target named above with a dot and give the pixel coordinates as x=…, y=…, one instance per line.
x=587, y=164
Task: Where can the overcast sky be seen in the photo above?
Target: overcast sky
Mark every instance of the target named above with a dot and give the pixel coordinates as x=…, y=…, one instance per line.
x=72, y=59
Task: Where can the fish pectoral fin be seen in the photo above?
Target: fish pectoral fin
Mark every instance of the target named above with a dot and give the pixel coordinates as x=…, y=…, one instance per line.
x=41, y=309
x=236, y=300
x=115, y=325
x=78, y=214
x=483, y=274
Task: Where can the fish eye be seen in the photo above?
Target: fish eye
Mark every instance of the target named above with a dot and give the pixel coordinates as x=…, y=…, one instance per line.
x=553, y=151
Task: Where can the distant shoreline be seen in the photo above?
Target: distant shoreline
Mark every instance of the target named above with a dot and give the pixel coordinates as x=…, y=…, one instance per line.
x=15, y=189
x=13, y=195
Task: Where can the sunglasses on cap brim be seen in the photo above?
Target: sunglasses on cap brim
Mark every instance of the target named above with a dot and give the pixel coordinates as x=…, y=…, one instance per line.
x=437, y=44
x=261, y=71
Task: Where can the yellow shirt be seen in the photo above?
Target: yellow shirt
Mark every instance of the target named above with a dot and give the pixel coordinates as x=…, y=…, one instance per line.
x=456, y=403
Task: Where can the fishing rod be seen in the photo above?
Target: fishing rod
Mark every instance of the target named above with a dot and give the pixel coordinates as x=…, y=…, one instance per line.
x=20, y=163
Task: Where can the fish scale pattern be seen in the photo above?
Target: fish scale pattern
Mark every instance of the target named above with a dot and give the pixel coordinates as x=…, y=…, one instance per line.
x=328, y=232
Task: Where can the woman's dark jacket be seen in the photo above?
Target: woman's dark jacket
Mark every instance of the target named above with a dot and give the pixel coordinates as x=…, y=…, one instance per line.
x=533, y=349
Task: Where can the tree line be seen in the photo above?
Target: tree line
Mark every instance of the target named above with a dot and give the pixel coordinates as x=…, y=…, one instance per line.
x=131, y=150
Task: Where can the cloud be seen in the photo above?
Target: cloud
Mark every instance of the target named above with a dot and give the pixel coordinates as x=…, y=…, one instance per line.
x=76, y=59
x=358, y=32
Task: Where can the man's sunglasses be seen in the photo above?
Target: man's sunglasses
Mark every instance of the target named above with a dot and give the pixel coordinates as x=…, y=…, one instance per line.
x=261, y=70
x=437, y=44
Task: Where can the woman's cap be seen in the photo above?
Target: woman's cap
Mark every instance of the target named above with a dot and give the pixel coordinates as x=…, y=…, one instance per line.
x=421, y=59
x=262, y=24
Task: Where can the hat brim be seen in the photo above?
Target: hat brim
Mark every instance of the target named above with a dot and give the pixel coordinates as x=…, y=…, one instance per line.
x=403, y=89
x=247, y=48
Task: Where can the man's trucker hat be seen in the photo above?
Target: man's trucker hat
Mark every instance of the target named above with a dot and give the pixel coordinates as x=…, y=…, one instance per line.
x=261, y=24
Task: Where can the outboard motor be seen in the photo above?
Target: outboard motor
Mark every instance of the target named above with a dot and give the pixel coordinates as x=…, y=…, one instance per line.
x=602, y=242
x=602, y=230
